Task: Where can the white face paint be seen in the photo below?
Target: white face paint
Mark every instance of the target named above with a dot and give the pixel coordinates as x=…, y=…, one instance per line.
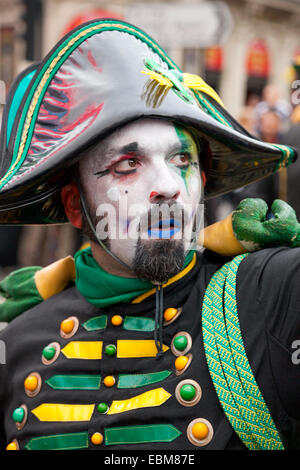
x=113, y=194
x=142, y=164
x=194, y=183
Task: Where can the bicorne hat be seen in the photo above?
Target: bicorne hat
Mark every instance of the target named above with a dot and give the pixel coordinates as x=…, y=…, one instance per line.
x=100, y=76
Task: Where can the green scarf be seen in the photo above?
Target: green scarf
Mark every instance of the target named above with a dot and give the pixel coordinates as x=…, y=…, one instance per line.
x=101, y=288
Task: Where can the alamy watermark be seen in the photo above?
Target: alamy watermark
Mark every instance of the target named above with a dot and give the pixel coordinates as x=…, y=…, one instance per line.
x=2, y=92
x=2, y=352
x=296, y=353
x=295, y=95
x=159, y=221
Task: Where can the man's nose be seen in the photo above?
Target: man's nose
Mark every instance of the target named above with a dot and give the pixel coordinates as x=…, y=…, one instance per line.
x=165, y=188
x=156, y=197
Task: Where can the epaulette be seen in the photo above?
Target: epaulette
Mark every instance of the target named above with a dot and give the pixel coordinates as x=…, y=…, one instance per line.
x=26, y=287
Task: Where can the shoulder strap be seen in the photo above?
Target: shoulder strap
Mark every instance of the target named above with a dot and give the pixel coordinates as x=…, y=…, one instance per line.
x=228, y=364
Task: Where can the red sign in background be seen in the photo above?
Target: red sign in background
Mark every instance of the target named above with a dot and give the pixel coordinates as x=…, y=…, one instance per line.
x=213, y=59
x=90, y=15
x=258, y=60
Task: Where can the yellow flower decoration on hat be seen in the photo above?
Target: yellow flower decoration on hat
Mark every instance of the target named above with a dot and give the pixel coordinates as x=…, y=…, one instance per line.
x=181, y=83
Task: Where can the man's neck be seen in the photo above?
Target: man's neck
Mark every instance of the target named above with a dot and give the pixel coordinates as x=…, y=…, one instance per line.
x=108, y=263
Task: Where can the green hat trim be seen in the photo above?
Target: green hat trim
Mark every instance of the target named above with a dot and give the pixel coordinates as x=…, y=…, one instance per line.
x=16, y=101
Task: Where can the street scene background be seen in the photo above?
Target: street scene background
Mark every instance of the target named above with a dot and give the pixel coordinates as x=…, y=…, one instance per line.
x=247, y=50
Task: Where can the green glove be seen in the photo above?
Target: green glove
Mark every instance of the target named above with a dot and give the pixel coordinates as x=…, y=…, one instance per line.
x=255, y=227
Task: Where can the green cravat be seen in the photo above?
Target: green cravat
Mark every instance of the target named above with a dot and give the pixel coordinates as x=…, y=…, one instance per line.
x=101, y=288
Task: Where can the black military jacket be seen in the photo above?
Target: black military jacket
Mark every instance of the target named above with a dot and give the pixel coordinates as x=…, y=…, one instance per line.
x=143, y=408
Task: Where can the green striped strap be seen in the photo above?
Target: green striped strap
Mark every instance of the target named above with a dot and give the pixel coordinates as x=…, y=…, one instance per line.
x=229, y=367
x=216, y=372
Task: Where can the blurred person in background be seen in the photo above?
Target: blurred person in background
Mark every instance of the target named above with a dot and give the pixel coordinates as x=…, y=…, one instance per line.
x=271, y=123
x=247, y=114
x=218, y=208
x=272, y=101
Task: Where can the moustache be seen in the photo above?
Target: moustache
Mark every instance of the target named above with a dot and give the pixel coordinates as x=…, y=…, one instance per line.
x=163, y=220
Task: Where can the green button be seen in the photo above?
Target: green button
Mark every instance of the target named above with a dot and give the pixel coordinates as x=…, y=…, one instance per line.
x=18, y=415
x=180, y=342
x=102, y=408
x=49, y=352
x=187, y=392
x=110, y=350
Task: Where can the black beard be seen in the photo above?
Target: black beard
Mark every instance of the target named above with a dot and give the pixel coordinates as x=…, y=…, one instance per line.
x=159, y=260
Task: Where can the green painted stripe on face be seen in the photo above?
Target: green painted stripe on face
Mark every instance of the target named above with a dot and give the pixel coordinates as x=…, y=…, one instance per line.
x=141, y=434
x=188, y=145
x=138, y=324
x=140, y=380
x=96, y=323
x=74, y=382
x=59, y=442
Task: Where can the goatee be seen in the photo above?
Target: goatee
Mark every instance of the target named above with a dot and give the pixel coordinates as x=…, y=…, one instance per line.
x=157, y=261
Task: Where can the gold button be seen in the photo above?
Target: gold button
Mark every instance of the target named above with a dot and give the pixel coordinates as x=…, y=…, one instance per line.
x=109, y=381
x=97, y=438
x=200, y=432
x=12, y=445
x=181, y=362
x=170, y=313
x=32, y=384
x=116, y=320
x=68, y=327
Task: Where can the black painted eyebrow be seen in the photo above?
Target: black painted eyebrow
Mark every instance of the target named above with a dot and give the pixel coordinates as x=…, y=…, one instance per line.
x=180, y=147
x=133, y=147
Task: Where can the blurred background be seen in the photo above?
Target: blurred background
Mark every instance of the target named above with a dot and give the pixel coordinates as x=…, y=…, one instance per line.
x=247, y=50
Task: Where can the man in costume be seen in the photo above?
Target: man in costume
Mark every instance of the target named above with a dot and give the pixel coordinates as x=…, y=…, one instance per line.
x=142, y=342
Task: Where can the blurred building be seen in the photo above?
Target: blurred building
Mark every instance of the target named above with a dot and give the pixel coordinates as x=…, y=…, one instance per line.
x=12, y=45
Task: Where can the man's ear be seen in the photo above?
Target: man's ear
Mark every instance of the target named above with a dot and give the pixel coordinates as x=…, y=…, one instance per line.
x=203, y=176
x=71, y=200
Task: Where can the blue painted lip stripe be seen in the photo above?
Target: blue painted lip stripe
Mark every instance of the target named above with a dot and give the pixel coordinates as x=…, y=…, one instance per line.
x=166, y=228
